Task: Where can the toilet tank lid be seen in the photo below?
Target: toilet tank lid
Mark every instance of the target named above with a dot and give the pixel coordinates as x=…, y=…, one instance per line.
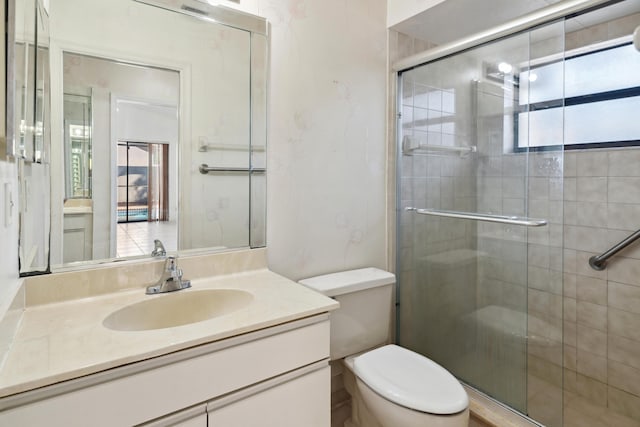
x=335, y=284
x=411, y=380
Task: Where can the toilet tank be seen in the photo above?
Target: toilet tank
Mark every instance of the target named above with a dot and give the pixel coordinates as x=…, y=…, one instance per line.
x=363, y=320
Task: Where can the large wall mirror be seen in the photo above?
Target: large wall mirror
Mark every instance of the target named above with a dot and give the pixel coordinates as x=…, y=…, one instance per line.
x=158, y=129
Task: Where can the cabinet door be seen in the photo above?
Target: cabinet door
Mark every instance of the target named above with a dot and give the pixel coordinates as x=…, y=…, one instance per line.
x=302, y=401
x=192, y=417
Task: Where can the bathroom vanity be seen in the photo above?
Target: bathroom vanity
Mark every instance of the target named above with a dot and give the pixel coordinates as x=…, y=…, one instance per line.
x=262, y=362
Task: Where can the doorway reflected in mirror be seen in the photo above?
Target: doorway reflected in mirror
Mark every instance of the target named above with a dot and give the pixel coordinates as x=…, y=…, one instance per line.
x=143, y=195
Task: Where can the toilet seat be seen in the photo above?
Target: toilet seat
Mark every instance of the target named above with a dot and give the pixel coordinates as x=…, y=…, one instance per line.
x=411, y=380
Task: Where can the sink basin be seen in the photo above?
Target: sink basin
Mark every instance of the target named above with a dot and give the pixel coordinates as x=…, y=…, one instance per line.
x=177, y=309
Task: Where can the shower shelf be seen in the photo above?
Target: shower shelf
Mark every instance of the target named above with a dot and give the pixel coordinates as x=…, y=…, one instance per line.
x=502, y=219
x=412, y=145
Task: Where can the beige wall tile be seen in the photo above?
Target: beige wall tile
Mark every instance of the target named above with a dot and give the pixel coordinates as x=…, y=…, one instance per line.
x=624, y=350
x=571, y=213
x=591, y=290
x=592, y=163
x=556, y=189
x=624, y=403
x=592, y=340
x=624, y=162
x=624, y=270
x=570, y=310
x=538, y=278
x=570, y=358
x=569, y=283
x=592, y=315
x=539, y=208
x=623, y=216
x=570, y=380
x=624, y=190
x=570, y=189
x=591, y=389
x=623, y=26
x=569, y=260
x=589, y=412
x=592, y=366
x=587, y=36
x=591, y=214
x=624, y=324
x=570, y=333
x=624, y=377
x=538, y=188
x=624, y=297
x=585, y=238
x=538, y=255
x=591, y=189
x=538, y=300
x=570, y=164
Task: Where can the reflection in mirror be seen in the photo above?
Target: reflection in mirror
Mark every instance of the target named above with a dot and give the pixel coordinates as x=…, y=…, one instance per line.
x=27, y=114
x=120, y=149
x=77, y=146
x=142, y=97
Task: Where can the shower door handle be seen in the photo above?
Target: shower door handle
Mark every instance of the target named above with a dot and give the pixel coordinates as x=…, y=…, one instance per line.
x=502, y=219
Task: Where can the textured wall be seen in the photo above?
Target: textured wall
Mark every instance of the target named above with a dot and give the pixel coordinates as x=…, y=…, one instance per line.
x=326, y=181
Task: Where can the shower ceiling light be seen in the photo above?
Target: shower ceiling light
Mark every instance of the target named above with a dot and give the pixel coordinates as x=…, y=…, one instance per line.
x=505, y=67
x=533, y=77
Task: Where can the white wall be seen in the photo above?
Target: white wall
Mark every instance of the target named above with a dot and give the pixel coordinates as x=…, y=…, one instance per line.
x=399, y=10
x=9, y=282
x=8, y=236
x=326, y=148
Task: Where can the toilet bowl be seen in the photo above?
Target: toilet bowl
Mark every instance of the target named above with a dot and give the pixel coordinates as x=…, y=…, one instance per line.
x=390, y=386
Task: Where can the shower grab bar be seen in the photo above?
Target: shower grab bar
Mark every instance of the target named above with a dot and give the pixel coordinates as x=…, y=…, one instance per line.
x=502, y=219
x=599, y=262
x=205, y=169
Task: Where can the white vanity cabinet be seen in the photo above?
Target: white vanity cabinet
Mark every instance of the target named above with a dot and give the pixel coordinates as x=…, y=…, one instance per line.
x=278, y=376
x=192, y=417
x=300, y=400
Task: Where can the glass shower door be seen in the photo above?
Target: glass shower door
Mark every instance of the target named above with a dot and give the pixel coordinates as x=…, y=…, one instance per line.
x=480, y=250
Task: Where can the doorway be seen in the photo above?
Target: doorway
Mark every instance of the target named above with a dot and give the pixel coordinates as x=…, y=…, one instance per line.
x=142, y=182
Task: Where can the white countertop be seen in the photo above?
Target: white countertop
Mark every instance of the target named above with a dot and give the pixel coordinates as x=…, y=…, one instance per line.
x=65, y=340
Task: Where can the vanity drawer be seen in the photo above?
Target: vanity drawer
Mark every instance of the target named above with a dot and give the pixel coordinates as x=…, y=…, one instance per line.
x=150, y=392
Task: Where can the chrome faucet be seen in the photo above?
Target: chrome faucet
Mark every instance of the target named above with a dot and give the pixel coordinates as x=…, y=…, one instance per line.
x=171, y=279
x=158, y=249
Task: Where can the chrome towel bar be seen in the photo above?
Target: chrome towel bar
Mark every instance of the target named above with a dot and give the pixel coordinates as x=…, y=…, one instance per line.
x=599, y=262
x=502, y=219
x=205, y=169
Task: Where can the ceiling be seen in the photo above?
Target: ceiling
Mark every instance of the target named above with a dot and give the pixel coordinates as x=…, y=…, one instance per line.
x=453, y=19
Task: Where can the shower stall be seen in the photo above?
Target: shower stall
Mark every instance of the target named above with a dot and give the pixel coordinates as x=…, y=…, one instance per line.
x=509, y=145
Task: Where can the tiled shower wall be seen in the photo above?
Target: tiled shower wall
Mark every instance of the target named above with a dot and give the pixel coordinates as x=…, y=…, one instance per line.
x=601, y=308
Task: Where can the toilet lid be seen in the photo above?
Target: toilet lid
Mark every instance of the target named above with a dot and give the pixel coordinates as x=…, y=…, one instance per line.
x=411, y=380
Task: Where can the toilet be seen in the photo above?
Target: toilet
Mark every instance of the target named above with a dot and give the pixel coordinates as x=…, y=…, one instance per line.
x=390, y=386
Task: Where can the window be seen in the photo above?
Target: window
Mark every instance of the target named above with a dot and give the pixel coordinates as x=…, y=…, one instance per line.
x=587, y=100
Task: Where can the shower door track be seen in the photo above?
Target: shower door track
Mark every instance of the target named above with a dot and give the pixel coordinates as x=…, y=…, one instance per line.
x=507, y=408
x=540, y=17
